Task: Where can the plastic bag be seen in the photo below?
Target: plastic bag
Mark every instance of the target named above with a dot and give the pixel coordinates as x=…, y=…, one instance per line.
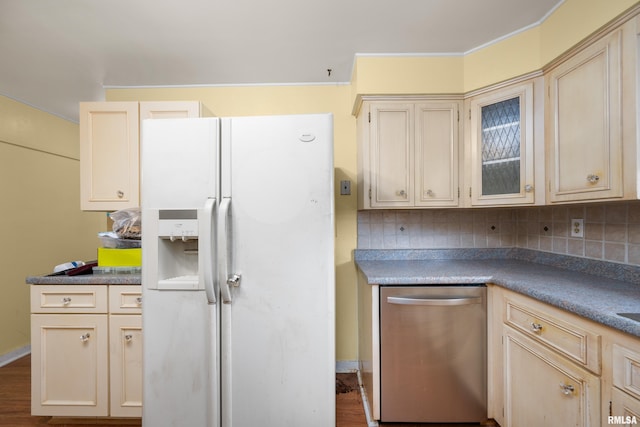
x=127, y=223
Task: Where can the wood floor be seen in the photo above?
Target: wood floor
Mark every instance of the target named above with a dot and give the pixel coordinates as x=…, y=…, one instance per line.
x=15, y=401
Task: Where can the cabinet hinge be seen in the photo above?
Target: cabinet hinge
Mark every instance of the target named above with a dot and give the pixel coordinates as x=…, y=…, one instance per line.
x=469, y=191
x=469, y=113
x=458, y=192
x=369, y=116
x=610, y=409
x=458, y=115
x=369, y=194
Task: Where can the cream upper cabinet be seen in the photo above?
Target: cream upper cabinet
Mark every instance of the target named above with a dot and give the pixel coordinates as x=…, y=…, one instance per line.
x=437, y=136
x=501, y=161
x=584, y=126
x=110, y=147
x=408, y=153
x=391, y=153
x=109, y=155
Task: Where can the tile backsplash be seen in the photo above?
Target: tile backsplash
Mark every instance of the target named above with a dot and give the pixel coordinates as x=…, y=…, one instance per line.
x=611, y=230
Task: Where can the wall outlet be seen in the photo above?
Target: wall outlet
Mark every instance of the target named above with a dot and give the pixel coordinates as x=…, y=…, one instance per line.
x=577, y=227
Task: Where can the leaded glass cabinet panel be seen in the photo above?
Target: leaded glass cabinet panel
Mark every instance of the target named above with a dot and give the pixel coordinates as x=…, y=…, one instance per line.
x=502, y=147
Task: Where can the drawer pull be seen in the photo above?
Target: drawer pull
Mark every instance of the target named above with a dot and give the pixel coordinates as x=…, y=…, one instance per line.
x=139, y=300
x=66, y=300
x=567, y=389
x=128, y=338
x=85, y=337
x=536, y=327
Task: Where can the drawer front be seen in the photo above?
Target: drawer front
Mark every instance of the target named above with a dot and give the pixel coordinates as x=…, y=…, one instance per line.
x=69, y=299
x=125, y=299
x=626, y=370
x=570, y=340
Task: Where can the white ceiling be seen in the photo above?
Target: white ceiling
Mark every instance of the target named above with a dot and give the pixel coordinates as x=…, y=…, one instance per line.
x=56, y=53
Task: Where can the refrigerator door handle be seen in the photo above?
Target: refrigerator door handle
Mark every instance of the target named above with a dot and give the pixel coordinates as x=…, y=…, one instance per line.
x=224, y=253
x=205, y=251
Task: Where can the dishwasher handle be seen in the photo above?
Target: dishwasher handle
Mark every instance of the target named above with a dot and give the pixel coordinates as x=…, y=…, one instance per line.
x=422, y=300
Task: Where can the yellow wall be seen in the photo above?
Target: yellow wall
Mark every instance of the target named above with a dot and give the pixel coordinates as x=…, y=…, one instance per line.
x=269, y=100
x=41, y=221
x=519, y=54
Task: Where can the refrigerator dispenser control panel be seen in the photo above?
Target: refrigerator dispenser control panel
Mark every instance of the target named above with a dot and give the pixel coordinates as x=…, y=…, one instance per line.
x=178, y=224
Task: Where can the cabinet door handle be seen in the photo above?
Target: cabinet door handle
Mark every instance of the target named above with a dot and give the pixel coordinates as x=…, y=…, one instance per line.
x=593, y=178
x=66, y=300
x=536, y=327
x=567, y=389
x=85, y=337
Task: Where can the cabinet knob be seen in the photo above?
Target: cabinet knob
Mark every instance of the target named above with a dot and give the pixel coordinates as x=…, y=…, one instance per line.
x=139, y=300
x=128, y=338
x=593, y=178
x=85, y=337
x=66, y=300
x=120, y=194
x=536, y=327
x=567, y=389
x=528, y=188
x=430, y=193
x=401, y=193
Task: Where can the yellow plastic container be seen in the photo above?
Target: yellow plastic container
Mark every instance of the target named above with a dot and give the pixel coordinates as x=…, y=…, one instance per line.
x=112, y=257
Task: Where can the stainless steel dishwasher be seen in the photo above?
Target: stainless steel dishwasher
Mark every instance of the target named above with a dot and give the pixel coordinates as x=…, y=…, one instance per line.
x=433, y=346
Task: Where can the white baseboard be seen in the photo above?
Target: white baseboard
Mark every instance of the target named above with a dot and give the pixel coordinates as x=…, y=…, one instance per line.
x=7, y=358
x=346, y=366
x=365, y=404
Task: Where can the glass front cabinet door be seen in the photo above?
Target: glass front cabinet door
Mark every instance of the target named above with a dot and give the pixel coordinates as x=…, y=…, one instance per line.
x=501, y=147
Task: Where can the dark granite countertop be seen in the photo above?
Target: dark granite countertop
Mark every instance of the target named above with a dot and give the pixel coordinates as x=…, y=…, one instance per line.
x=595, y=290
x=86, y=279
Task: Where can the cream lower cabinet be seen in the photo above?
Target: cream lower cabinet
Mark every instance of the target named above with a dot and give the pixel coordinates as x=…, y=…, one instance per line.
x=543, y=388
x=83, y=360
x=625, y=393
x=545, y=364
x=109, y=149
x=125, y=351
x=551, y=367
x=408, y=153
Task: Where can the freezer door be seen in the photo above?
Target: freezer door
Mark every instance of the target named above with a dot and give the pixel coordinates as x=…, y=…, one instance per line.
x=180, y=362
x=277, y=323
x=179, y=163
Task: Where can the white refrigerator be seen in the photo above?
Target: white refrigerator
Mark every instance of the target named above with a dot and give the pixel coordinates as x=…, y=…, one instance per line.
x=238, y=272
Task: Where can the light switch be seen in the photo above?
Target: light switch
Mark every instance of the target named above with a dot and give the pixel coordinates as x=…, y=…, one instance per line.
x=345, y=188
